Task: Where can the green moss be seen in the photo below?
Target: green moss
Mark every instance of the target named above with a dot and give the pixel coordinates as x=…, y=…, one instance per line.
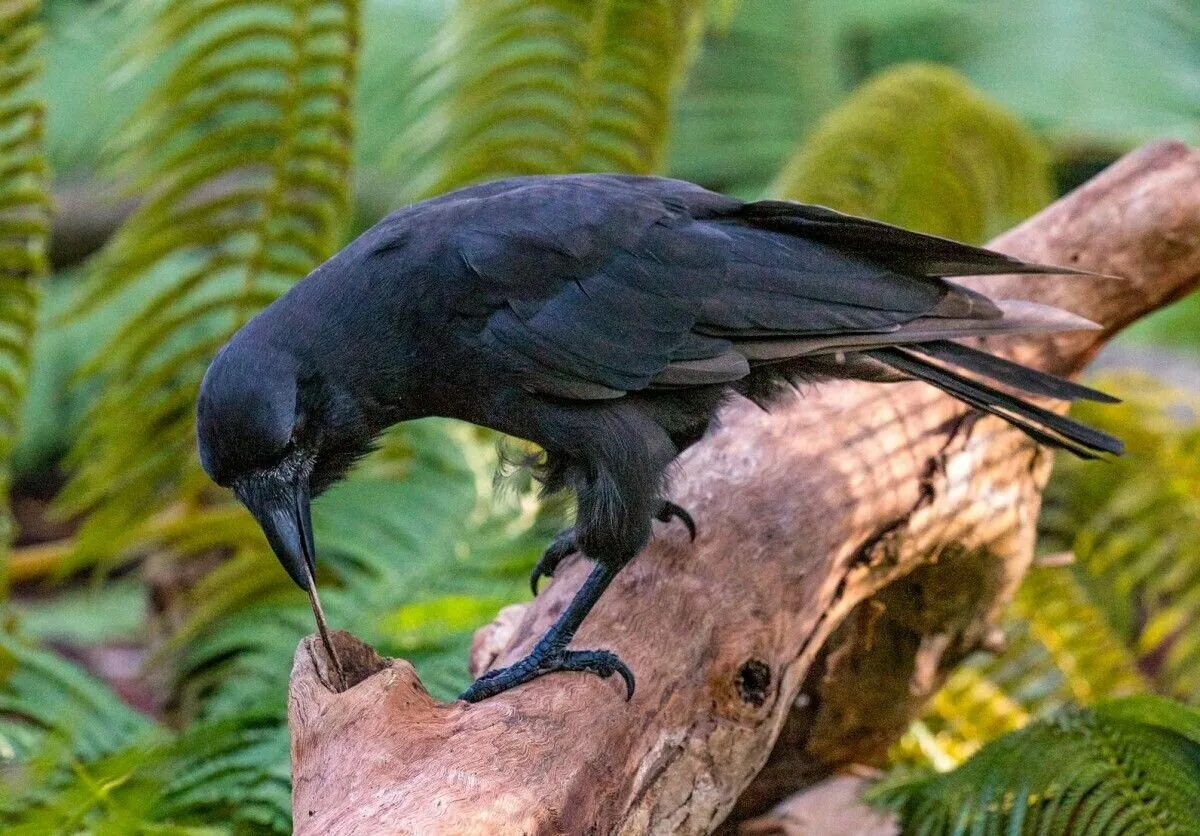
x=919, y=147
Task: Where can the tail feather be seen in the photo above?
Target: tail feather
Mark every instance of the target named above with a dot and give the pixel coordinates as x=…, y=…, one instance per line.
x=1010, y=373
x=913, y=253
x=1040, y=424
x=1017, y=317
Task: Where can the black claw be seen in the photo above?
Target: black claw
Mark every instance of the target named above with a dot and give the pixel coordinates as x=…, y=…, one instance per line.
x=560, y=548
x=670, y=511
x=602, y=663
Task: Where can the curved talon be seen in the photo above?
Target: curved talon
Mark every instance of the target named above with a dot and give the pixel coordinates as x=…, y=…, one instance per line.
x=560, y=548
x=670, y=511
x=602, y=663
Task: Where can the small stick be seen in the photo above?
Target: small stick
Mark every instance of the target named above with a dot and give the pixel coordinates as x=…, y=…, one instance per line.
x=323, y=629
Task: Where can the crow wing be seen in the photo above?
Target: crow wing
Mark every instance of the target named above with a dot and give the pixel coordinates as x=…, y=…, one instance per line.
x=597, y=285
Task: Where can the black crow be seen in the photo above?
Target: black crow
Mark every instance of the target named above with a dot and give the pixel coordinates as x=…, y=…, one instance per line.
x=606, y=318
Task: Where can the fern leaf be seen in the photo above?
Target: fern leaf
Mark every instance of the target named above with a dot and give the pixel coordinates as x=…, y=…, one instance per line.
x=553, y=86
x=24, y=221
x=85, y=762
x=1134, y=532
x=1093, y=659
x=235, y=770
x=1127, y=766
x=73, y=734
x=919, y=147
x=43, y=692
x=1060, y=649
x=243, y=151
x=1120, y=619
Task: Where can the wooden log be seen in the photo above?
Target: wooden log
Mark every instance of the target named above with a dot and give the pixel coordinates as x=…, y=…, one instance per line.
x=830, y=808
x=853, y=546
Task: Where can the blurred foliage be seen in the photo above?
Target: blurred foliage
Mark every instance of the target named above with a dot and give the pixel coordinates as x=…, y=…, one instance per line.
x=243, y=155
x=80, y=761
x=24, y=222
x=1120, y=619
x=1090, y=76
x=1127, y=766
x=918, y=131
x=1122, y=70
x=237, y=121
x=552, y=87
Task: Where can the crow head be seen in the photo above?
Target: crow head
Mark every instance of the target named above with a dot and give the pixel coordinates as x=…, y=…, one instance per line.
x=259, y=434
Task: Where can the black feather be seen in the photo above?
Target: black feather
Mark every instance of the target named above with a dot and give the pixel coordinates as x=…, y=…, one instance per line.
x=1040, y=424
x=1010, y=373
x=912, y=253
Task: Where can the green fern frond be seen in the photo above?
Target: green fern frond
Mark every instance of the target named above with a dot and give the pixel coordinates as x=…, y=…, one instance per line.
x=1060, y=649
x=1117, y=621
x=234, y=770
x=243, y=152
x=1094, y=661
x=24, y=221
x=919, y=147
x=64, y=736
x=1128, y=766
x=1134, y=532
x=551, y=86
x=74, y=758
x=48, y=696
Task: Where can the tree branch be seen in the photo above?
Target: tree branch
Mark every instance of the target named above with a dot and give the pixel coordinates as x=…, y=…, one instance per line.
x=854, y=545
x=830, y=808
x=87, y=213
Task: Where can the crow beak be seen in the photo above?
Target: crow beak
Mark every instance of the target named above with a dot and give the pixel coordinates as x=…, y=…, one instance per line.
x=282, y=511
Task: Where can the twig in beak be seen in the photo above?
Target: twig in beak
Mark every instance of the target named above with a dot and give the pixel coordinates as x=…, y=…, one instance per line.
x=323, y=629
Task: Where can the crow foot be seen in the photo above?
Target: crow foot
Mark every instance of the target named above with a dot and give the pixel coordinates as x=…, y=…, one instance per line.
x=550, y=654
x=603, y=663
x=560, y=548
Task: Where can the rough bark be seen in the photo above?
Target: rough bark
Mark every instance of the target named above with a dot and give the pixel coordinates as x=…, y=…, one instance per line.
x=830, y=808
x=854, y=545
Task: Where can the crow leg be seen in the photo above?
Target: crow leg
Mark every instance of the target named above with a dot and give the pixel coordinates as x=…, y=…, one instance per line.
x=560, y=548
x=563, y=545
x=550, y=654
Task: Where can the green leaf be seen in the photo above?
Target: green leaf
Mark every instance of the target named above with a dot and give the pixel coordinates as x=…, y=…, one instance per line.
x=1127, y=766
x=76, y=759
x=918, y=147
x=1084, y=80
x=243, y=150
x=551, y=86
x=1133, y=532
x=70, y=741
x=24, y=224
